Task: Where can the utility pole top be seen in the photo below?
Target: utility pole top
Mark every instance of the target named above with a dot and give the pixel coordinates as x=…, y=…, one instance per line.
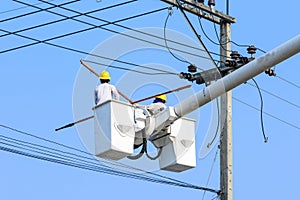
x=203, y=11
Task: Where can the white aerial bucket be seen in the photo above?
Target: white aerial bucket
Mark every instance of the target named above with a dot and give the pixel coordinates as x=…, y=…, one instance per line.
x=114, y=130
x=180, y=154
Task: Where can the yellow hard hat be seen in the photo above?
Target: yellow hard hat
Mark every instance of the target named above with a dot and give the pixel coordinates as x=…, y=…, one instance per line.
x=162, y=97
x=104, y=75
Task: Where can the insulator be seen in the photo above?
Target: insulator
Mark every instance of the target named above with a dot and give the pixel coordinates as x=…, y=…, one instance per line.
x=184, y=75
x=181, y=75
x=230, y=63
x=211, y=2
x=192, y=68
x=251, y=49
x=270, y=72
x=234, y=55
x=189, y=76
x=242, y=60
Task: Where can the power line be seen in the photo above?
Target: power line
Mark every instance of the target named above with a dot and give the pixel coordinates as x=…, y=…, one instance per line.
x=110, y=30
x=219, y=43
x=210, y=172
x=261, y=111
x=46, y=41
x=81, y=166
x=72, y=49
x=289, y=82
x=165, y=25
x=34, y=12
x=60, y=156
x=102, y=20
x=51, y=155
x=162, y=72
x=276, y=96
x=20, y=8
x=204, y=32
x=86, y=14
x=270, y=115
x=32, y=148
x=247, y=45
x=194, y=31
x=65, y=17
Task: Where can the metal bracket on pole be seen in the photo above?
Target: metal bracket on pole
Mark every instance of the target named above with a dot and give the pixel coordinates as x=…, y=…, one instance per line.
x=203, y=11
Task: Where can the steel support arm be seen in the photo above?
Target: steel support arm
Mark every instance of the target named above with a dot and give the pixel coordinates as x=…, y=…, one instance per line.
x=239, y=76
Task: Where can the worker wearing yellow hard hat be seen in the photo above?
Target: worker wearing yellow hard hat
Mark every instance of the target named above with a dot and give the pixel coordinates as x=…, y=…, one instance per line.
x=160, y=98
x=104, y=75
x=105, y=91
x=158, y=104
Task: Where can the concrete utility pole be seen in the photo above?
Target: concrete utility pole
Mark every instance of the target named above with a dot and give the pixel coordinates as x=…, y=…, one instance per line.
x=224, y=20
x=226, y=122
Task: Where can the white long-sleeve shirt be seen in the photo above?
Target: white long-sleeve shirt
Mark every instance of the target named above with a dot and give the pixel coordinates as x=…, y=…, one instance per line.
x=104, y=92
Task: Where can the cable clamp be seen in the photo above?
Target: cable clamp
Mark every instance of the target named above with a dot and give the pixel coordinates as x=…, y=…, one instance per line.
x=170, y=10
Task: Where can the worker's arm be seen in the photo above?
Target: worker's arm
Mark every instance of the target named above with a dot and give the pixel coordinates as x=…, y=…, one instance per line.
x=115, y=93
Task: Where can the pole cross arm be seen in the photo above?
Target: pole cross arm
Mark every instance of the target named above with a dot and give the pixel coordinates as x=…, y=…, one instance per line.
x=201, y=10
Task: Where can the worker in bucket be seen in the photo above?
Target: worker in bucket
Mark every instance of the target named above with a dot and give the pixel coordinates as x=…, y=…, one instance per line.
x=158, y=104
x=105, y=91
x=142, y=115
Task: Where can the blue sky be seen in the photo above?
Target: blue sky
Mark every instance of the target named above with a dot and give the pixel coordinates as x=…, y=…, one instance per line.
x=42, y=88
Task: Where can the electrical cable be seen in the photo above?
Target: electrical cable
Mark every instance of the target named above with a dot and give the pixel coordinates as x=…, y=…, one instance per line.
x=64, y=146
x=85, y=30
x=146, y=151
x=216, y=197
x=67, y=48
x=268, y=114
x=261, y=111
x=217, y=35
x=157, y=155
x=210, y=172
x=65, y=17
x=82, y=166
x=72, y=49
x=203, y=31
x=276, y=96
x=162, y=72
x=20, y=8
x=79, y=163
x=34, y=12
x=220, y=44
x=246, y=45
x=99, y=169
x=287, y=81
x=52, y=152
x=102, y=27
x=33, y=148
x=140, y=154
x=195, y=32
x=218, y=125
x=69, y=162
x=87, y=15
x=169, y=181
x=165, y=25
